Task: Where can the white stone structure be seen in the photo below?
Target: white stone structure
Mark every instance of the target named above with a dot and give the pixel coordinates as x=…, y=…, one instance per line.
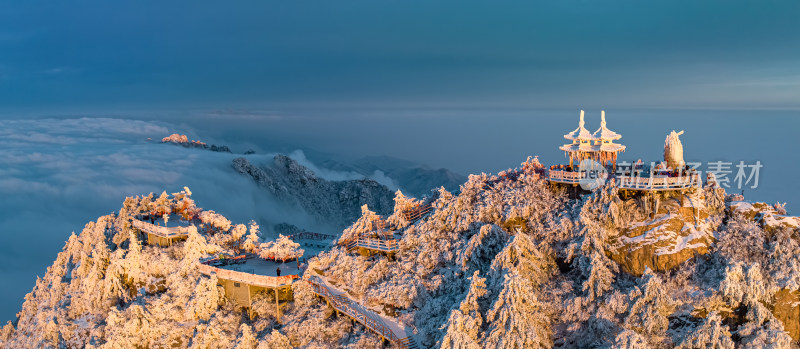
x=673, y=150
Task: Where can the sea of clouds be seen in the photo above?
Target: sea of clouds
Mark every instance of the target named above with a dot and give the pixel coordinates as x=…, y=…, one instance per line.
x=58, y=174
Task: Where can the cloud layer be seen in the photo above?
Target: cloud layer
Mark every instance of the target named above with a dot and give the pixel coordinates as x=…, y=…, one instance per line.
x=58, y=174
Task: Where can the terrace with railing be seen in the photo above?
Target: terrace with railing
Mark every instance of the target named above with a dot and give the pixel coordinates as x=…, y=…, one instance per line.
x=243, y=269
x=165, y=232
x=659, y=183
x=649, y=182
x=567, y=177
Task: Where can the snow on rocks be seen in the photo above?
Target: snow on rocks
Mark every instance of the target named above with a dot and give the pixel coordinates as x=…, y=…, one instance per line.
x=674, y=235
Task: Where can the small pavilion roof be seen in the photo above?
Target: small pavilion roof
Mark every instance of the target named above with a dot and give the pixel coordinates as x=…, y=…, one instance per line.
x=603, y=133
x=573, y=147
x=580, y=133
x=591, y=148
x=611, y=147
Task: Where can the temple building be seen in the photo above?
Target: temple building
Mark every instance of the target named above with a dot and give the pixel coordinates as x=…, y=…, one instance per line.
x=598, y=146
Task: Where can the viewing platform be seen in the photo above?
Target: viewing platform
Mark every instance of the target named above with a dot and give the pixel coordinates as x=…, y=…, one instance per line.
x=659, y=183
x=163, y=235
x=567, y=177
x=626, y=182
x=593, y=161
x=252, y=270
x=243, y=276
x=376, y=238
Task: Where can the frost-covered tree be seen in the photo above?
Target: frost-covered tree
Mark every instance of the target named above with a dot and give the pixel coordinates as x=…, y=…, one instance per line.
x=194, y=248
x=783, y=259
x=162, y=204
x=739, y=229
x=282, y=249
x=535, y=263
x=744, y=284
x=517, y=318
x=599, y=272
x=215, y=222
x=251, y=242
x=402, y=204
x=206, y=299
x=463, y=328
x=276, y=340
x=763, y=330
x=629, y=339
x=6, y=332
x=247, y=339
x=650, y=308
x=712, y=333
x=368, y=223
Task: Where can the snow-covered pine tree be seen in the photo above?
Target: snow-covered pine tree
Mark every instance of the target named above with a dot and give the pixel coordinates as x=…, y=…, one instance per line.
x=276, y=340
x=251, y=242
x=650, y=308
x=367, y=223
x=629, y=339
x=282, y=249
x=517, y=318
x=712, y=333
x=205, y=299
x=463, y=328
x=246, y=339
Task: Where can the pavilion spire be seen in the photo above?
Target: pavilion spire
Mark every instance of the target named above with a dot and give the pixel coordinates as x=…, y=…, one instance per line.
x=580, y=133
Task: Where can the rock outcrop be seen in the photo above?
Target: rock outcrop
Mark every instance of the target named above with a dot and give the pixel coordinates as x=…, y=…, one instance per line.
x=766, y=215
x=184, y=141
x=675, y=234
x=787, y=310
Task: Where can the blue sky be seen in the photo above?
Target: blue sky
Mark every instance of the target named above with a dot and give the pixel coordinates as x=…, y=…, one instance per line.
x=81, y=55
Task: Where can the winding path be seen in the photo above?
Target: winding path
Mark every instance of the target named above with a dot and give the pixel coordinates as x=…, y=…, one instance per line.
x=384, y=326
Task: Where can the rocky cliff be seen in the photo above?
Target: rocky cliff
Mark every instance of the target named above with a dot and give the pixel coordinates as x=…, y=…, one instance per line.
x=675, y=233
x=334, y=202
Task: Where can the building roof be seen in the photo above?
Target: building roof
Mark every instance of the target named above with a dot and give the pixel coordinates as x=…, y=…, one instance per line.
x=591, y=148
x=603, y=133
x=597, y=139
x=580, y=133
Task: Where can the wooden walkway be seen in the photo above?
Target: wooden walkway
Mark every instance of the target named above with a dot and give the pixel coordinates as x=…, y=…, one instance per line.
x=383, y=326
x=389, y=245
x=420, y=210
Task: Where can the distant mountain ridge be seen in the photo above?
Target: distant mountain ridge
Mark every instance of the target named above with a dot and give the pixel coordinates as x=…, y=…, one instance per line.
x=335, y=202
x=414, y=178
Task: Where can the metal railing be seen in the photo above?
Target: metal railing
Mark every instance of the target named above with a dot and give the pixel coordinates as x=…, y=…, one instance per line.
x=566, y=176
x=658, y=183
x=631, y=182
x=414, y=214
x=311, y=236
x=247, y=278
x=165, y=232
x=374, y=244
